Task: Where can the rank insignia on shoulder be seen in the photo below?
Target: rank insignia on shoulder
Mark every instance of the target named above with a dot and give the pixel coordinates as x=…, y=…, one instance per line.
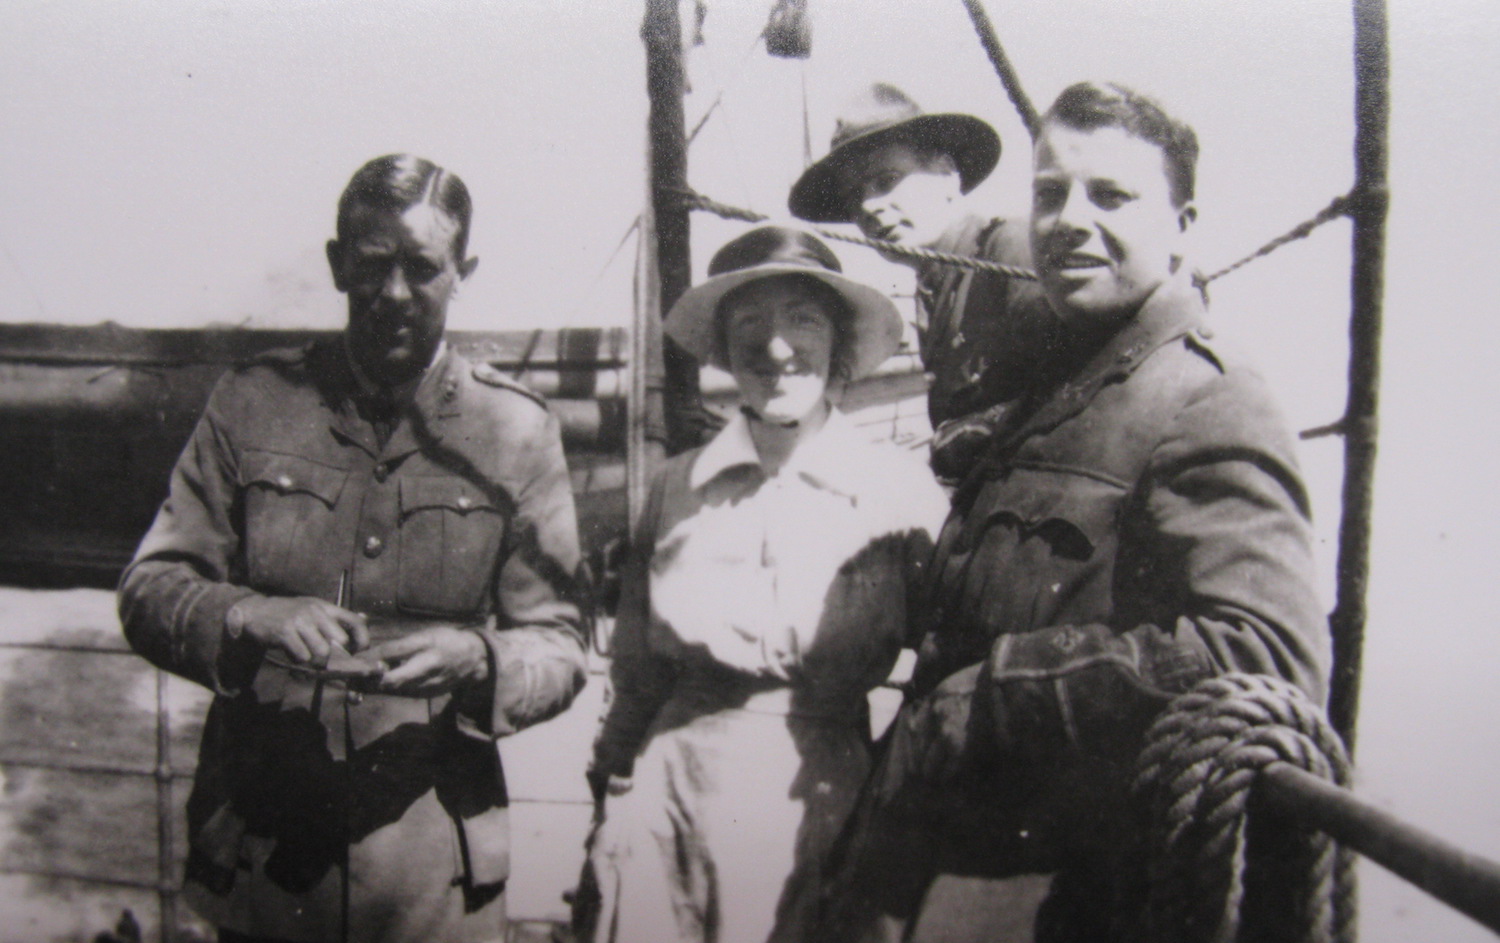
x=490, y=376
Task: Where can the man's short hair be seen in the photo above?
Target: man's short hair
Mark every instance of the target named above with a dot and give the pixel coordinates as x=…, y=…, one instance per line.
x=398, y=181
x=1086, y=106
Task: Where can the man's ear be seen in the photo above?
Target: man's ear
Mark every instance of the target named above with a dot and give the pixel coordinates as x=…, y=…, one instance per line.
x=467, y=267
x=336, y=264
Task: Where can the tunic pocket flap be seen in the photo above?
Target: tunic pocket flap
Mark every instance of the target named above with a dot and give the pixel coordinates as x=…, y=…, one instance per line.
x=1072, y=513
x=289, y=474
x=453, y=494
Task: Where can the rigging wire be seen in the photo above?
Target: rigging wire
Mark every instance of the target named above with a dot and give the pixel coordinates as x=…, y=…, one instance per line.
x=725, y=86
x=1337, y=207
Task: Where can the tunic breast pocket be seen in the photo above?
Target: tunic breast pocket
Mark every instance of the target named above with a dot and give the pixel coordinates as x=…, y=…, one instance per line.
x=1038, y=549
x=450, y=537
x=290, y=526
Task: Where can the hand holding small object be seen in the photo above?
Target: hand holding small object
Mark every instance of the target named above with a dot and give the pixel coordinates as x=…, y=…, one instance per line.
x=307, y=629
x=431, y=661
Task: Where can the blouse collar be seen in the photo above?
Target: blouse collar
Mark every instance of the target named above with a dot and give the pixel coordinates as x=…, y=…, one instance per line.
x=824, y=460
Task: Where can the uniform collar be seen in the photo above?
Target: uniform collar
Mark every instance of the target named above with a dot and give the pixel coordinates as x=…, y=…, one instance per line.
x=401, y=393
x=824, y=460
x=430, y=397
x=1173, y=310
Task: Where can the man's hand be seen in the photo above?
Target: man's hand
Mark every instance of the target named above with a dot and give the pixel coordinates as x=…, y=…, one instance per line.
x=306, y=628
x=431, y=661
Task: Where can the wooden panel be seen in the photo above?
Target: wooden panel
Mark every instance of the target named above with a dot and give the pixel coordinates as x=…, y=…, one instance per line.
x=83, y=618
x=69, y=707
x=108, y=344
x=86, y=825
x=59, y=910
x=187, y=705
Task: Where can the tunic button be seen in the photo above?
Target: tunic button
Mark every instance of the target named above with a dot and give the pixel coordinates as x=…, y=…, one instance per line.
x=283, y=481
x=464, y=502
x=373, y=546
x=382, y=471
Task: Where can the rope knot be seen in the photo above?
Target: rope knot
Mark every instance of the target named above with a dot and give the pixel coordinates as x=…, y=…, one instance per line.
x=1214, y=866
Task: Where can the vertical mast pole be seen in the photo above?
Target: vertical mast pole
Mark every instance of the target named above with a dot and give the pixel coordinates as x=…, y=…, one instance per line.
x=1367, y=283
x=662, y=33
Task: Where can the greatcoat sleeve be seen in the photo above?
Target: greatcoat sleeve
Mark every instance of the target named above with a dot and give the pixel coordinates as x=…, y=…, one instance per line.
x=535, y=640
x=1213, y=576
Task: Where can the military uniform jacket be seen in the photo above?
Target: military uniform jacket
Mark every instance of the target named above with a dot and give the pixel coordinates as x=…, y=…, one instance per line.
x=981, y=333
x=1137, y=525
x=464, y=516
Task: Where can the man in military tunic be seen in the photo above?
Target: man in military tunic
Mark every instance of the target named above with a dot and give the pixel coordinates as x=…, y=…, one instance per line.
x=902, y=175
x=1136, y=524
x=368, y=553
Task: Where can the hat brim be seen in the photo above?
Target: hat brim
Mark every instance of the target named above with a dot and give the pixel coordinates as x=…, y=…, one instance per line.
x=874, y=332
x=972, y=143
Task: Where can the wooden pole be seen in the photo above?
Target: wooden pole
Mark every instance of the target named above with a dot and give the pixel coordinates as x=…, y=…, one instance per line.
x=1360, y=427
x=645, y=434
x=1466, y=882
x=662, y=33
x=166, y=815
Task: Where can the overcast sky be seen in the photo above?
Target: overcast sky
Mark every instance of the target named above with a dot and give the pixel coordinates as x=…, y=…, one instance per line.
x=176, y=163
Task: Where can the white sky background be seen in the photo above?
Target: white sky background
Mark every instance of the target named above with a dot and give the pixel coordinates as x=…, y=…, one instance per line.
x=176, y=163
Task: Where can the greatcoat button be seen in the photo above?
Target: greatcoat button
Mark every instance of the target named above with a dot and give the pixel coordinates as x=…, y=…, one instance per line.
x=283, y=481
x=382, y=471
x=373, y=546
x=464, y=502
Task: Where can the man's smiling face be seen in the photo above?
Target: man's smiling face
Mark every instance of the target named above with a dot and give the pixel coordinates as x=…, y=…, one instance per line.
x=1105, y=230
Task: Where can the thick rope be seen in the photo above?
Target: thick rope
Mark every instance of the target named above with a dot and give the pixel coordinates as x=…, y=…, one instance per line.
x=1003, y=68
x=1210, y=871
x=698, y=201
x=1338, y=207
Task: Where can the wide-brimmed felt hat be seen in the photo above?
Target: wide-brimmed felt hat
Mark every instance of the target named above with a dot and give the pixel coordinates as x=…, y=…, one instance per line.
x=880, y=114
x=873, y=330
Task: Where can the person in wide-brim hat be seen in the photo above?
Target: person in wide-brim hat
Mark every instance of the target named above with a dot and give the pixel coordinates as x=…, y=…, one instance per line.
x=767, y=591
x=880, y=114
x=870, y=332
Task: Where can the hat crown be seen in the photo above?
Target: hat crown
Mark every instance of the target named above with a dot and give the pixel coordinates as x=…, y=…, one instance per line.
x=876, y=108
x=774, y=245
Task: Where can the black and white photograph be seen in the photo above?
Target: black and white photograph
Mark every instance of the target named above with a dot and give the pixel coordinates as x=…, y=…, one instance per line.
x=748, y=471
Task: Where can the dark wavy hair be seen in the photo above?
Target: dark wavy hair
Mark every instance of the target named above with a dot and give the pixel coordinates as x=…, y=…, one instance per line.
x=397, y=181
x=1089, y=105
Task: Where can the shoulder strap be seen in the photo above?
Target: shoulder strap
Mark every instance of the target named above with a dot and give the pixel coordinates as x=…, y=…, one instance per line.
x=490, y=376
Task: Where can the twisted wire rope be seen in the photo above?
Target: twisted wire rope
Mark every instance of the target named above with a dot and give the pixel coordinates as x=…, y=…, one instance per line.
x=1338, y=207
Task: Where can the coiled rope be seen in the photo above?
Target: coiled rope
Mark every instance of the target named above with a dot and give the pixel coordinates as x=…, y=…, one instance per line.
x=1215, y=866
